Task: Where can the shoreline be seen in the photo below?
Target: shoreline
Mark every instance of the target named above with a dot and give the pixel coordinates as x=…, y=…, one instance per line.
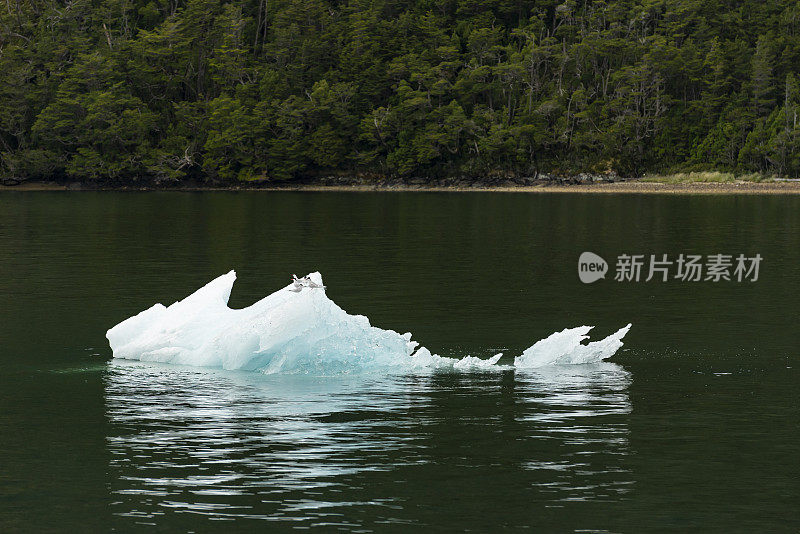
x=632, y=186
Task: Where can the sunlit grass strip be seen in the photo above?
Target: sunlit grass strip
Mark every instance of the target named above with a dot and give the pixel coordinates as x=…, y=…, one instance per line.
x=707, y=177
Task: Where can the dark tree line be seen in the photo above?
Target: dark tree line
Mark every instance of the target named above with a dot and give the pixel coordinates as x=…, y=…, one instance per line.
x=279, y=89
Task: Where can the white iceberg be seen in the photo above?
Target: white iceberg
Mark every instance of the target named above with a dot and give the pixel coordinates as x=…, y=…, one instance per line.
x=303, y=331
x=565, y=348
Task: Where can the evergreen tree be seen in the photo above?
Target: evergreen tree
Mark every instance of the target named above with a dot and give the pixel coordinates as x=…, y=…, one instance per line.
x=242, y=90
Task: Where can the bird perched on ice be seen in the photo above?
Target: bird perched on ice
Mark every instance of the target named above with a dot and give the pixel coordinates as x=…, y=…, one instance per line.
x=300, y=283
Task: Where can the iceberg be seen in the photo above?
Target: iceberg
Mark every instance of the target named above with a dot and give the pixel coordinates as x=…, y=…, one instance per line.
x=298, y=329
x=566, y=348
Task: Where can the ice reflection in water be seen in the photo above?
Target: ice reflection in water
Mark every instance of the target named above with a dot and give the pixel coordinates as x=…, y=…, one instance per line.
x=582, y=409
x=363, y=451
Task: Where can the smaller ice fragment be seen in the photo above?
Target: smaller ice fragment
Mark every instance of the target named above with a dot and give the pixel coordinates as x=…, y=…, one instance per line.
x=565, y=348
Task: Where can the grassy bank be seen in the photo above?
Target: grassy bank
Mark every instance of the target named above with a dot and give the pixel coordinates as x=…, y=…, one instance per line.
x=711, y=177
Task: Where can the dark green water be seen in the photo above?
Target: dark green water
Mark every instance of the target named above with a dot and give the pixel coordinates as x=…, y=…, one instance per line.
x=695, y=426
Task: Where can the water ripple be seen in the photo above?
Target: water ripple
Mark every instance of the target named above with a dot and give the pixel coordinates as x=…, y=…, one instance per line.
x=359, y=452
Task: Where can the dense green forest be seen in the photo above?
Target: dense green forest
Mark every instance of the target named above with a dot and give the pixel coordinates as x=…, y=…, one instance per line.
x=166, y=90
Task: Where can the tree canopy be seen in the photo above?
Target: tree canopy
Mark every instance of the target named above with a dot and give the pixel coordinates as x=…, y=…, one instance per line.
x=168, y=90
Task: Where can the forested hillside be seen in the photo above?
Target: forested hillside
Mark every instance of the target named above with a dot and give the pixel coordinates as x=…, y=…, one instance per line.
x=164, y=90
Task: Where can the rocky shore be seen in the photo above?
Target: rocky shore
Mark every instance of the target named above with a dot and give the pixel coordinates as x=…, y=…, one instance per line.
x=582, y=183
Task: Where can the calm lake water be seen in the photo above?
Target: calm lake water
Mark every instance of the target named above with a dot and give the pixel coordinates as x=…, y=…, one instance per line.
x=693, y=426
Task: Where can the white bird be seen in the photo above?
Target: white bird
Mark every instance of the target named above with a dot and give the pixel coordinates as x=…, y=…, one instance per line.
x=300, y=283
x=313, y=285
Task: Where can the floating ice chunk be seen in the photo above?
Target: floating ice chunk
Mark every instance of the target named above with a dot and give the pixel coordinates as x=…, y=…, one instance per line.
x=472, y=362
x=423, y=358
x=565, y=347
x=306, y=332
x=286, y=331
